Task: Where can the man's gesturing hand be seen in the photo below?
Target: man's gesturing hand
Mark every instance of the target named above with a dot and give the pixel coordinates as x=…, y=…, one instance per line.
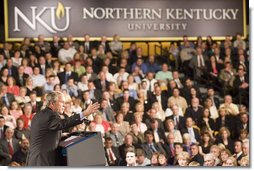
x=92, y=108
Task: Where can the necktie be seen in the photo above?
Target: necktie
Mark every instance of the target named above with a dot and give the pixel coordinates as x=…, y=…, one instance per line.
x=117, y=140
x=9, y=71
x=10, y=148
x=172, y=150
x=150, y=85
x=152, y=148
x=1, y=133
x=67, y=77
x=6, y=101
x=179, y=84
x=176, y=122
x=111, y=158
x=156, y=136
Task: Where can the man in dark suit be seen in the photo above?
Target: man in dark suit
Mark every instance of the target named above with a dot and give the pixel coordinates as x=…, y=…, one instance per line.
x=150, y=146
x=194, y=132
x=178, y=120
x=241, y=87
x=55, y=46
x=88, y=45
x=160, y=97
x=107, y=111
x=104, y=43
x=195, y=111
x=7, y=51
x=125, y=98
x=111, y=153
x=3, y=127
x=169, y=147
x=21, y=76
x=21, y=155
x=46, y=129
x=36, y=105
x=63, y=76
x=242, y=123
x=158, y=133
x=9, y=146
x=6, y=98
x=215, y=100
x=101, y=83
x=12, y=70
x=238, y=151
x=195, y=155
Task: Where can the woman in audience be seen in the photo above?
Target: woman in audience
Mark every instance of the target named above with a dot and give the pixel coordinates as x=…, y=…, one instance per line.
x=15, y=109
x=170, y=127
x=10, y=120
x=224, y=155
x=123, y=126
x=224, y=138
x=12, y=87
x=206, y=143
x=27, y=69
x=4, y=75
x=20, y=132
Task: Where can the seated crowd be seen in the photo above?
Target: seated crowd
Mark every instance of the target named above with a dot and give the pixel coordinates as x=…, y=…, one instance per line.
x=189, y=108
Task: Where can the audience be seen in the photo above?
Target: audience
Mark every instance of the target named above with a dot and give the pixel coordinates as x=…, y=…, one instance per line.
x=153, y=113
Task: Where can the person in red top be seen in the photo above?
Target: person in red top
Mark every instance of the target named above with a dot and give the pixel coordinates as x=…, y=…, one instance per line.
x=27, y=116
x=12, y=87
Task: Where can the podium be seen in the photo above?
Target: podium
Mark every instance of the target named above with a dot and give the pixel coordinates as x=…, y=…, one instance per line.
x=82, y=149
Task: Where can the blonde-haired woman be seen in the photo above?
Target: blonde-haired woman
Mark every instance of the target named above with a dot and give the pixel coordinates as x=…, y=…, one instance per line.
x=183, y=158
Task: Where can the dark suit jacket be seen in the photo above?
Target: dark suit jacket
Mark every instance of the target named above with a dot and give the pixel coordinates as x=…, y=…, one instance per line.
x=4, y=129
x=62, y=76
x=119, y=102
x=228, y=123
x=166, y=147
x=4, y=150
x=237, y=83
x=198, y=158
x=181, y=124
x=116, y=153
x=98, y=85
x=23, y=78
x=106, y=47
x=196, y=133
x=195, y=115
x=148, y=151
x=164, y=100
x=46, y=129
x=10, y=98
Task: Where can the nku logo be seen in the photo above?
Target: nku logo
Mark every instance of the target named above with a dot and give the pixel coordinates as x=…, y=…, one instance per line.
x=36, y=15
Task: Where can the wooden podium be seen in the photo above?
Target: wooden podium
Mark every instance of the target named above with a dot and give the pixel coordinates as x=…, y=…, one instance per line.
x=82, y=149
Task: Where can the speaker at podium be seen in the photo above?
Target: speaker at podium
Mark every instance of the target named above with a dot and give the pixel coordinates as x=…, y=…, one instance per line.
x=82, y=149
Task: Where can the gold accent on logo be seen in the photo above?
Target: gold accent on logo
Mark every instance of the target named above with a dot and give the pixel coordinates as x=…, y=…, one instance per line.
x=60, y=11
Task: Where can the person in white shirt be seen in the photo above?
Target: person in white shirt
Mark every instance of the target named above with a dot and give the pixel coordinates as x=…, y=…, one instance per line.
x=38, y=79
x=66, y=54
x=138, y=121
x=120, y=76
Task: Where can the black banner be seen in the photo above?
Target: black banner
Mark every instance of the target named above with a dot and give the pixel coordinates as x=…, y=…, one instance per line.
x=131, y=19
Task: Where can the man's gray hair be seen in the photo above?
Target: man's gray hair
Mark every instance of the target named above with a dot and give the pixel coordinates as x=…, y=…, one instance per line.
x=52, y=97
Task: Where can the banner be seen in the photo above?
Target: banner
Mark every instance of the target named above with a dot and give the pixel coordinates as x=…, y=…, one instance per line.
x=131, y=19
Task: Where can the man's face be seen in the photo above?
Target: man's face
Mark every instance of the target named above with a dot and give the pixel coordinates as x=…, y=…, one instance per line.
x=9, y=134
x=25, y=144
x=178, y=149
x=130, y=158
x=140, y=159
x=238, y=147
x=59, y=104
x=149, y=138
x=108, y=143
x=2, y=122
x=194, y=150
